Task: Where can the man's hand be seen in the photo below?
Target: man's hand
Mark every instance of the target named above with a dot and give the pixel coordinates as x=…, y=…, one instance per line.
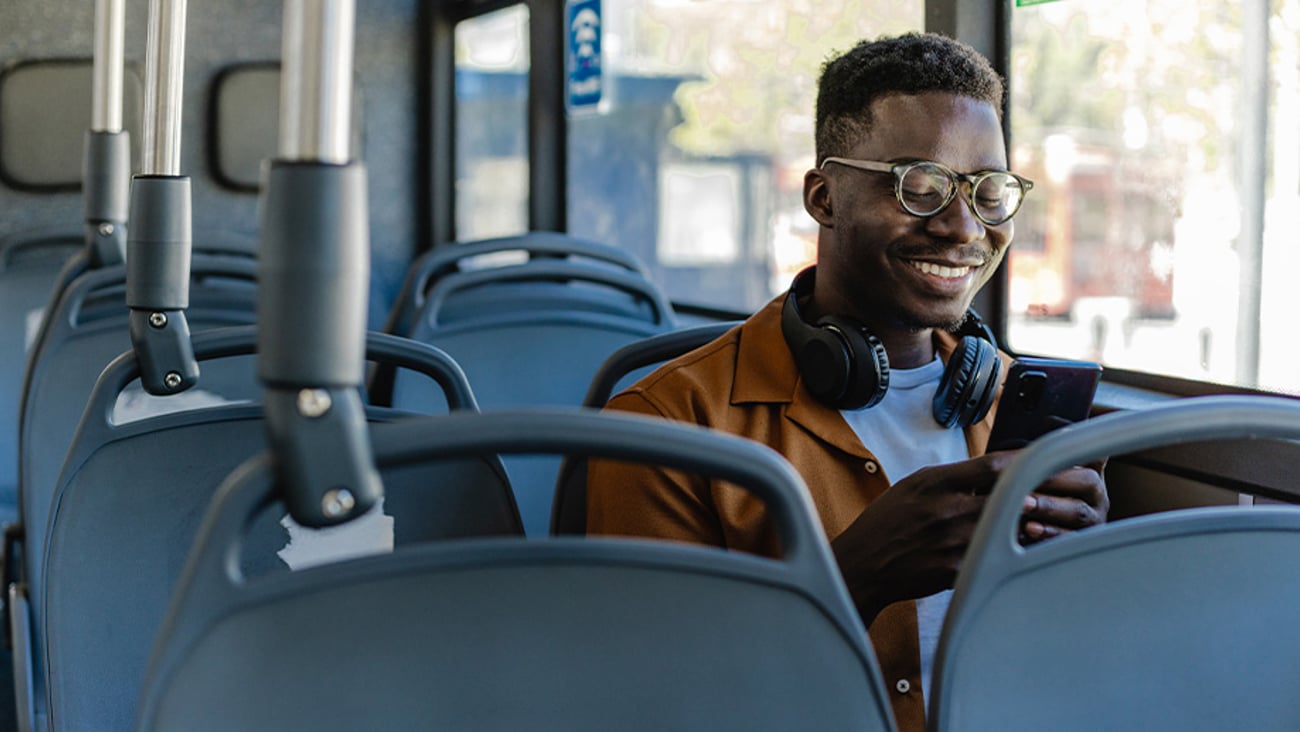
x=910, y=541
x=1072, y=499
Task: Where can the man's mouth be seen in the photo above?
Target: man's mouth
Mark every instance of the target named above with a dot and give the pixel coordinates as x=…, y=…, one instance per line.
x=940, y=270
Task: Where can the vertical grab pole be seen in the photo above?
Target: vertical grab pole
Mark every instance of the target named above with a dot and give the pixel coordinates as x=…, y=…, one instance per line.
x=106, y=165
x=159, y=247
x=313, y=276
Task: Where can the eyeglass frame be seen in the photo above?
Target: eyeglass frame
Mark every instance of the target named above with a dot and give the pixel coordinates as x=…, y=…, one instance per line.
x=898, y=170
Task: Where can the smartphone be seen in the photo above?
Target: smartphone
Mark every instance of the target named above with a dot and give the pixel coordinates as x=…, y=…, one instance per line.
x=1039, y=395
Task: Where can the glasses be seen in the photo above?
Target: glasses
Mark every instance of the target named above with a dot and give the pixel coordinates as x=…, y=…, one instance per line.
x=925, y=188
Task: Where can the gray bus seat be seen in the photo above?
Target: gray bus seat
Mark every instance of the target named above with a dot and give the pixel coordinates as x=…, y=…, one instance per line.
x=508, y=254
x=45, y=112
x=129, y=501
x=85, y=331
x=430, y=268
x=540, y=284
x=1180, y=620
x=623, y=367
x=455, y=297
x=509, y=634
x=539, y=355
x=28, y=267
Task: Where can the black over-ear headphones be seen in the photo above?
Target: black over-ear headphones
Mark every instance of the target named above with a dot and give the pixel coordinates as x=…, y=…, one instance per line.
x=845, y=366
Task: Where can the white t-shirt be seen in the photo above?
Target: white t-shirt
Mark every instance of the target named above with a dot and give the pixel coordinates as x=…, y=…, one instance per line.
x=901, y=432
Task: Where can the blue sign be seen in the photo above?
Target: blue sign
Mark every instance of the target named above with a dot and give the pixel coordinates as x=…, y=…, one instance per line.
x=585, y=82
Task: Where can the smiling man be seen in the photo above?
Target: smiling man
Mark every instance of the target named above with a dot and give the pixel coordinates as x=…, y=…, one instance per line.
x=871, y=375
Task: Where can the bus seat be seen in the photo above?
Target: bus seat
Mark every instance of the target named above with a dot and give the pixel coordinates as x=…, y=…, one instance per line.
x=621, y=369
x=28, y=267
x=542, y=354
x=129, y=501
x=541, y=283
x=86, y=330
x=45, y=110
x=505, y=279
x=509, y=634
x=1180, y=620
x=430, y=268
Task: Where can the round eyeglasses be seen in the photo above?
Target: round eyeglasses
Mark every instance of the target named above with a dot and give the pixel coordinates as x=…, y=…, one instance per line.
x=924, y=188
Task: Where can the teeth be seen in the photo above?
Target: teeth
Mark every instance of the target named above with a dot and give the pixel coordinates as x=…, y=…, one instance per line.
x=947, y=273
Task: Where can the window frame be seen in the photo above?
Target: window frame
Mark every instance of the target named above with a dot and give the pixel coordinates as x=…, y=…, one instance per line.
x=984, y=24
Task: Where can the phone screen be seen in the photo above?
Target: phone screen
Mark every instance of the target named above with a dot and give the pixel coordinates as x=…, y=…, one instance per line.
x=1040, y=395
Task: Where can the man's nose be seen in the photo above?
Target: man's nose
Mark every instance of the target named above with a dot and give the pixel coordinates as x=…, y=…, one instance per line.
x=957, y=221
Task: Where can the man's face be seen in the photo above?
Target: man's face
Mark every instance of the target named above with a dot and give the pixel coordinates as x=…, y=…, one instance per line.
x=887, y=267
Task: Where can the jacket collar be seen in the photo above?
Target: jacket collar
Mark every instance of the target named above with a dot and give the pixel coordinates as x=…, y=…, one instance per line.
x=765, y=372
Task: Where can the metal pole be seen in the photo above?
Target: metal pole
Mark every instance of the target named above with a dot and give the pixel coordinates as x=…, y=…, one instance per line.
x=106, y=159
x=313, y=271
x=164, y=84
x=316, y=81
x=1253, y=170
x=106, y=109
x=159, y=246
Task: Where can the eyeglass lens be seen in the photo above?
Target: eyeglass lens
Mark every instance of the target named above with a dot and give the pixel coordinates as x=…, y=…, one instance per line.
x=926, y=188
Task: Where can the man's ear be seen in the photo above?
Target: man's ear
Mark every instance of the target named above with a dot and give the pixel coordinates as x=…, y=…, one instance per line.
x=817, y=197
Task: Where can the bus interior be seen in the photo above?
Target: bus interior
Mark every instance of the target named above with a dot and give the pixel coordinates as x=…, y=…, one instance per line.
x=309, y=308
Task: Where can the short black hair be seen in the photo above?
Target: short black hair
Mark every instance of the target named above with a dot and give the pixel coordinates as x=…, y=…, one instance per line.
x=908, y=64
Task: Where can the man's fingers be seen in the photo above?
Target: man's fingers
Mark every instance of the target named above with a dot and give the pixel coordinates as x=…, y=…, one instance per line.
x=1083, y=483
x=1033, y=531
x=1059, y=512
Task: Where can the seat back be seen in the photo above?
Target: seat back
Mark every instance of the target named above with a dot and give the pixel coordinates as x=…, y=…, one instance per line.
x=28, y=268
x=85, y=330
x=542, y=354
x=623, y=367
x=541, y=284
x=1178, y=620
x=430, y=268
x=129, y=502
x=45, y=111
x=618, y=634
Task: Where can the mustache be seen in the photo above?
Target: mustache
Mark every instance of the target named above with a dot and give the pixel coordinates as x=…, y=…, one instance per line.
x=984, y=254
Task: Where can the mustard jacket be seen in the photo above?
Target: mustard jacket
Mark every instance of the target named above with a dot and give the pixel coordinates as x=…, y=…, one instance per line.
x=746, y=383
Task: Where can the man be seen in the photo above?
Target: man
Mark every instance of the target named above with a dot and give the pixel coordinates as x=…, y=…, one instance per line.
x=913, y=199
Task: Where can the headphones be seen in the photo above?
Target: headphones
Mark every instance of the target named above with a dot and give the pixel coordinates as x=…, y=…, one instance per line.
x=844, y=365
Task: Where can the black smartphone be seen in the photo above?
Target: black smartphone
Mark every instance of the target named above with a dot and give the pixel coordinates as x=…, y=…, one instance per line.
x=1039, y=395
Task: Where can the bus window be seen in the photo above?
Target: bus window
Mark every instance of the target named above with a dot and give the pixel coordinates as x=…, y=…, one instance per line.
x=492, y=63
x=1159, y=230
x=694, y=158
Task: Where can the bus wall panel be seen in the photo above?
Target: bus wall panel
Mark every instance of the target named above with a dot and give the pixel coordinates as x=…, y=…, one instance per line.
x=225, y=32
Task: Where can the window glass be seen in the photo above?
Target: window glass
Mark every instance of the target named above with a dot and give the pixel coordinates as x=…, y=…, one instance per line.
x=492, y=63
x=1159, y=230
x=694, y=157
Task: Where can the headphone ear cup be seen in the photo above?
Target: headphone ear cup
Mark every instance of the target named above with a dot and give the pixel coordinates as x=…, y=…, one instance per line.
x=868, y=377
x=820, y=354
x=842, y=364
x=969, y=383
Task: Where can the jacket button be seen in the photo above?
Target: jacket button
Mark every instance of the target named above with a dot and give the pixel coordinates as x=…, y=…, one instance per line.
x=871, y=467
x=903, y=686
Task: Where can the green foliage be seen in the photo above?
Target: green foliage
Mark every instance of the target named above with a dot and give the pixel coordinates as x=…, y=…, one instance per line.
x=759, y=63
x=1172, y=64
